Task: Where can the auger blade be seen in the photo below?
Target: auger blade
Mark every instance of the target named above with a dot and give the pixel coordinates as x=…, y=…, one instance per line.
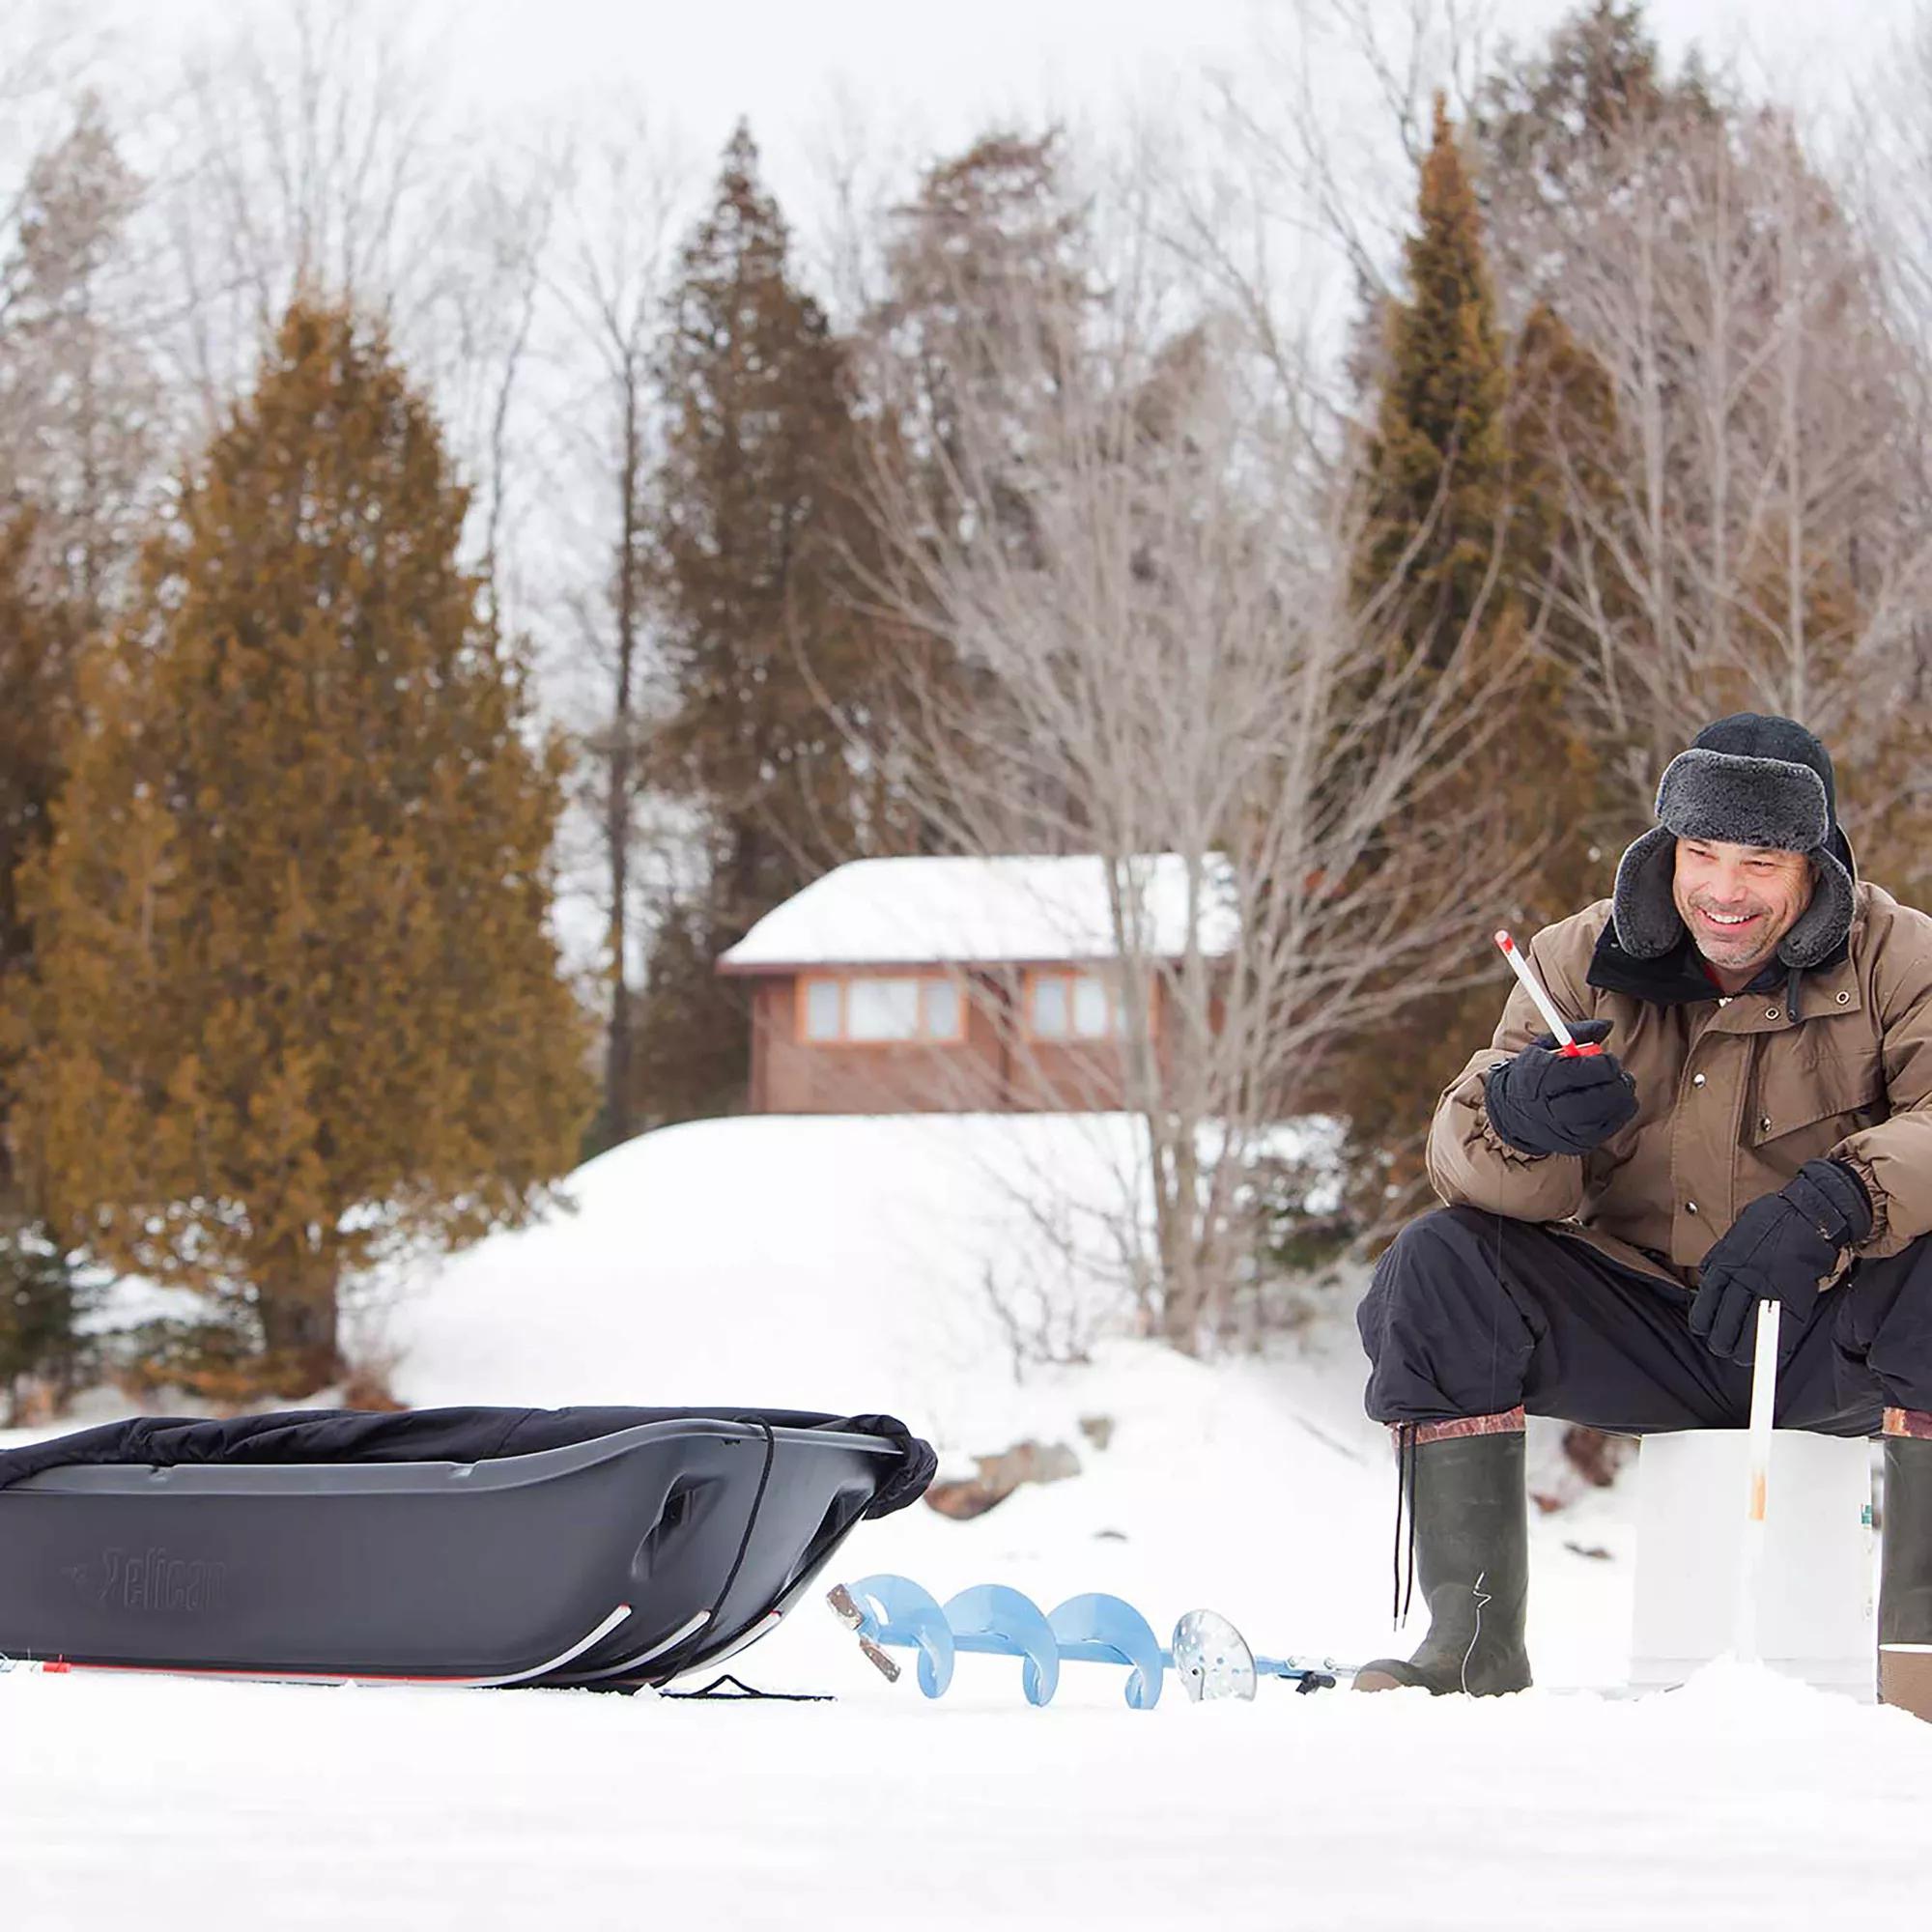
x=1212, y=1659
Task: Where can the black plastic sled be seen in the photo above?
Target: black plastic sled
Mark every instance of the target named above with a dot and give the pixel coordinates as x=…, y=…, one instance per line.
x=608, y=1548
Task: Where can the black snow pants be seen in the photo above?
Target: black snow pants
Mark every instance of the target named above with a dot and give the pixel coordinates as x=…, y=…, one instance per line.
x=1473, y=1313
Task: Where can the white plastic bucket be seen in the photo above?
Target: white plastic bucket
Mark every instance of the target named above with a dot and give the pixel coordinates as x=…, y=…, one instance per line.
x=1815, y=1617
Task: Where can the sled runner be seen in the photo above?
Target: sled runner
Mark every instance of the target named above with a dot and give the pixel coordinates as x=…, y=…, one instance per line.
x=612, y=1547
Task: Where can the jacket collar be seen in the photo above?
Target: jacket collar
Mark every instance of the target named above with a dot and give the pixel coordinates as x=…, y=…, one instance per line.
x=1673, y=979
x=1677, y=978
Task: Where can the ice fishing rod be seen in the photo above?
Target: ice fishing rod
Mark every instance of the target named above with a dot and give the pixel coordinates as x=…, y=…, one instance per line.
x=1566, y=1044
x=1763, y=1407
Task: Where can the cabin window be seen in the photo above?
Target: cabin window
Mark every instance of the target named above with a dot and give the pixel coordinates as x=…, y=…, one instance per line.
x=879, y=1008
x=824, y=1009
x=941, y=1009
x=1071, y=1005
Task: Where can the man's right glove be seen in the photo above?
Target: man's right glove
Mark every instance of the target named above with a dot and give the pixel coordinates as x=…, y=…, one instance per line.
x=1548, y=1101
x=1778, y=1249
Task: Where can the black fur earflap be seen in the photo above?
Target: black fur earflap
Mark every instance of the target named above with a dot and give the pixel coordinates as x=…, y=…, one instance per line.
x=1641, y=907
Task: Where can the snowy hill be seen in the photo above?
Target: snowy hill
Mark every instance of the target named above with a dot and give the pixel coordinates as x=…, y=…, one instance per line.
x=849, y=1265
x=827, y=1263
x=863, y=1264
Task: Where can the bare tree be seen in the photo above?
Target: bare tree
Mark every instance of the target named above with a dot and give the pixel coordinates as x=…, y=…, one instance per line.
x=314, y=147
x=1745, y=528
x=481, y=346
x=607, y=287
x=83, y=420
x=309, y=154
x=1322, y=132
x=1891, y=149
x=45, y=61
x=1885, y=159
x=1171, y=667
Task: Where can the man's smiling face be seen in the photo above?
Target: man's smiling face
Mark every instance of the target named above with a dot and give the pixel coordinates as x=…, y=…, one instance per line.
x=1738, y=903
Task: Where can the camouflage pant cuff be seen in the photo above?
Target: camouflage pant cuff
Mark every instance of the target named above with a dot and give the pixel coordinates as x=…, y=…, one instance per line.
x=1509, y=1422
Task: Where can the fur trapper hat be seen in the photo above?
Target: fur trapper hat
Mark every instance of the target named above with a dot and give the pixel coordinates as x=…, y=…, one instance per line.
x=1746, y=781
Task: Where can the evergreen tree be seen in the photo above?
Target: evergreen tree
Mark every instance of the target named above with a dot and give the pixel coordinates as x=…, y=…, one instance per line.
x=41, y=1292
x=992, y=245
x=1566, y=125
x=1562, y=428
x=296, y=1001
x=1459, y=524
x=1439, y=461
x=988, y=286
x=761, y=644
x=694, y=1028
x=40, y=648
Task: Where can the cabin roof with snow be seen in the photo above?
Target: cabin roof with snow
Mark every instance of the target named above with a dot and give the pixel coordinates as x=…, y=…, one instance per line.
x=876, y=912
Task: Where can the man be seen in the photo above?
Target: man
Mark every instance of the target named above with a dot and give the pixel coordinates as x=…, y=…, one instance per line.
x=1757, y=1127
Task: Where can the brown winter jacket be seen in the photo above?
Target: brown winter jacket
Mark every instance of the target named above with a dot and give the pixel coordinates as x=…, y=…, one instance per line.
x=1734, y=1095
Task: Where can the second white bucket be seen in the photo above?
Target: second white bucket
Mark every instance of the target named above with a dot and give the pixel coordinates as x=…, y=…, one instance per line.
x=1815, y=1616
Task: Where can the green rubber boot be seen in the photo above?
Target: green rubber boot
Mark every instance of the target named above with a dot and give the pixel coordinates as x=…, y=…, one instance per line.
x=1471, y=1519
x=1905, y=1574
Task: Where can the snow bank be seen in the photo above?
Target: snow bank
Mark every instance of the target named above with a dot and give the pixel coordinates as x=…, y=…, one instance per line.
x=839, y=1263
x=849, y=1263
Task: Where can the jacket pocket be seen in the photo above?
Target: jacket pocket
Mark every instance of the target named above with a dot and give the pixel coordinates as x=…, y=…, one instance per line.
x=1790, y=1098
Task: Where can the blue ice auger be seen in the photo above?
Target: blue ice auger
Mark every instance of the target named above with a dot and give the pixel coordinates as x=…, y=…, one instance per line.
x=1209, y=1654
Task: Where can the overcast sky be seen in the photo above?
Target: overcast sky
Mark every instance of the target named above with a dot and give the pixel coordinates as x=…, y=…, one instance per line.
x=781, y=61
x=935, y=72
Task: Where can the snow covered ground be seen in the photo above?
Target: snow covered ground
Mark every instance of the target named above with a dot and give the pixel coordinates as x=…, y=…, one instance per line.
x=1732, y=1803
x=864, y=1265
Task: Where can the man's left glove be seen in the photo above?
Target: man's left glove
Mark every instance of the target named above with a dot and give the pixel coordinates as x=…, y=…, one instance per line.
x=1778, y=1249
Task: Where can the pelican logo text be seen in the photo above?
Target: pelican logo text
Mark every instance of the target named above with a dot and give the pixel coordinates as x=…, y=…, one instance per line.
x=160, y=1581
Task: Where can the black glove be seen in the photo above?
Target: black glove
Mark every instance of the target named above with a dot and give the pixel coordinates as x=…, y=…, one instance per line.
x=1778, y=1249
x=1548, y=1101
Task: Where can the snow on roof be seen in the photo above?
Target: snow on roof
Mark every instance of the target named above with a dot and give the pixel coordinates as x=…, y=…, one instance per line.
x=925, y=911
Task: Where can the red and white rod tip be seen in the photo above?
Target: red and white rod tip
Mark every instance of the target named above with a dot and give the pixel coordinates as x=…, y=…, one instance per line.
x=1531, y=986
